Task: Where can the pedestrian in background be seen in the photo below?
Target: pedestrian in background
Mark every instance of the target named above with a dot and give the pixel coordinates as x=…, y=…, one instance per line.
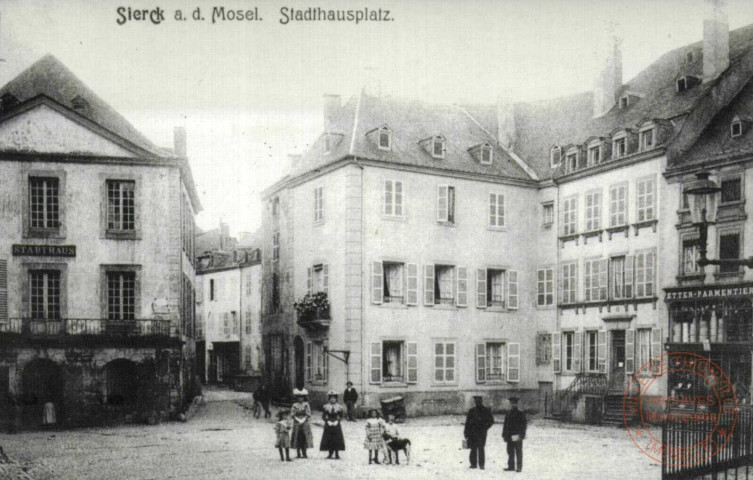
x=301, y=416
x=282, y=431
x=478, y=421
x=332, y=436
x=262, y=396
x=513, y=432
x=350, y=397
x=374, y=431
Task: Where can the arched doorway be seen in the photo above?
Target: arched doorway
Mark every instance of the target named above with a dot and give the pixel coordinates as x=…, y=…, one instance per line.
x=121, y=383
x=42, y=382
x=300, y=358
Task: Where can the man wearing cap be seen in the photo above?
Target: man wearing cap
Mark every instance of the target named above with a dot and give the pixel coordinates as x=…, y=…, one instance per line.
x=350, y=397
x=513, y=432
x=478, y=421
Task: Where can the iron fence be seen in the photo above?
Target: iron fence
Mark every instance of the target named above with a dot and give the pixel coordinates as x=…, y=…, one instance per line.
x=34, y=327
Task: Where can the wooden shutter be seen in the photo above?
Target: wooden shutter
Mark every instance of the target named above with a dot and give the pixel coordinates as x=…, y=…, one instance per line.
x=429, y=284
x=411, y=290
x=629, y=351
x=513, y=362
x=561, y=284
x=412, y=362
x=650, y=276
x=376, y=363
x=577, y=351
x=462, y=287
x=308, y=361
x=603, y=279
x=325, y=277
x=442, y=203
x=480, y=363
x=629, y=260
x=556, y=352
x=481, y=288
x=602, y=353
x=377, y=282
x=656, y=349
x=587, y=267
x=561, y=215
x=3, y=290
x=309, y=280
x=512, y=289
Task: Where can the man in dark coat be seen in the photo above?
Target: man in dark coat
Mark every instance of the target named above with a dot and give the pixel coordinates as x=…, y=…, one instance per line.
x=263, y=396
x=513, y=432
x=478, y=421
x=350, y=397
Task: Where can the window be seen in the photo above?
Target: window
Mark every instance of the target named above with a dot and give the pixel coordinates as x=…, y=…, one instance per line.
x=736, y=128
x=79, y=104
x=318, y=278
x=496, y=210
x=247, y=330
x=45, y=294
x=486, y=154
x=593, y=210
x=646, y=200
x=545, y=287
x=621, y=273
x=643, y=347
x=595, y=280
x=646, y=138
x=247, y=358
x=444, y=283
x=226, y=323
x=211, y=290
x=555, y=154
x=619, y=147
x=446, y=203
x=318, y=204
x=731, y=190
x=682, y=84
x=44, y=203
x=690, y=256
x=316, y=362
x=276, y=246
x=689, y=56
x=729, y=248
x=249, y=285
x=275, y=206
x=547, y=210
x=618, y=205
x=571, y=160
x=624, y=102
x=392, y=363
x=495, y=288
x=594, y=155
x=276, y=305
x=121, y=207
x=592, y=351
x=645, y=274
x=495, y=361
x=327, y=143
x=569, y=339
x=393, y=198
x=437, y=147
x=569, y=282
x=234, y=319
x=393, y=282
x=121, y=295
x=570, y=215
x=385, y=139
x=444, y=362
x=493, y=284
x=543, y=348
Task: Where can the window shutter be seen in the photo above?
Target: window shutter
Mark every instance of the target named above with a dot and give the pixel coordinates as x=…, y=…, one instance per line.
x=603, y=279
x=481, y=288
x=412, y=357
x=377, y=283
x=557, y=352
x=513, y=362
x=442, y=203
x=376, y=362
x=561, y=215
x=512, y=289
x=587, y=266
x=492, y=209
x=656, y=348
x=576, y=279
x=561, y=284
x=480, y=363
x=577, y=356
x=650, y=274
x=629, y=351
x=411, y=291
x=3, y=290
x=325, y=277
x=602, y=351
x=308, y=362
x=309, y=280
x=462, y=287
x=429, y=284
x=629, y=260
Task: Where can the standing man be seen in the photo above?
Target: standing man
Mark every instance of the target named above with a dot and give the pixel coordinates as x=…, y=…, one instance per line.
x=262, y=395
x=513, y=432
x=350, y=397
x=478, y=421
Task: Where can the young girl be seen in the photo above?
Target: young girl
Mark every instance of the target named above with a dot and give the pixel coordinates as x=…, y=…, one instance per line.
x=282, y=429
x=374, y=430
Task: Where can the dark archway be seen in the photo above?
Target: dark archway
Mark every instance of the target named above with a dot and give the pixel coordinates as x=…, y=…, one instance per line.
x=42, y=382
x=300, y=359
x=121, y=383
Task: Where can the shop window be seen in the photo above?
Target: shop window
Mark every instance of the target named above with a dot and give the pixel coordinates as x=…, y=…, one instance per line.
x=729, y=248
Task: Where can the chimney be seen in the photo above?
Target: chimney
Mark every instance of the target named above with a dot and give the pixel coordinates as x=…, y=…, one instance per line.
x=179, y=141
x=224, y=235
x=331, y=106
x=506, y=133
x=294, y=161
x=715, y=39
x=609, y=78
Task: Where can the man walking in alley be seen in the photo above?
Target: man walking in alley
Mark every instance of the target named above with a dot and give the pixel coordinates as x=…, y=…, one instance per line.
x=350, y=397
x=478, y=421
x=513, y=432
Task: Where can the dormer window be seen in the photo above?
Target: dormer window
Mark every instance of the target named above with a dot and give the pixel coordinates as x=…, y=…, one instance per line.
x=384, y=138
x=682, y=84
x=486, y=154
x=624, y=102
x=437, y=146
x=79, y=104
x=686, y=82
x=619, y=147
x=482, y=153
x=7, y=102
x=327, y=143
x=689, y=56
x=736, y=127
x=647, y=138
x=594, y=154
x=555, y=155
x=571, y=161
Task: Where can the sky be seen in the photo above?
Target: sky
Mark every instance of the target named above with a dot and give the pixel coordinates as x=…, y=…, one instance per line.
x=249, y=93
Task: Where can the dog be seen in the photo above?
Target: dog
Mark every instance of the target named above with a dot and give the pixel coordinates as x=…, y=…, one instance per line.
x=395, y=444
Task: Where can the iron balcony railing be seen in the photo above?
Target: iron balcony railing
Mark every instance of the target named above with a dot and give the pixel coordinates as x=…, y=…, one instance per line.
x=35, y=327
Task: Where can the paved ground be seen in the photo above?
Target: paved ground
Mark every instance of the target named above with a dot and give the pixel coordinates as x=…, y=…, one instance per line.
x=224, y=441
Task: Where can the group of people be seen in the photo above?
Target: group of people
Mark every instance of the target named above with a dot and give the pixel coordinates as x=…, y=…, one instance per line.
x=480, y=420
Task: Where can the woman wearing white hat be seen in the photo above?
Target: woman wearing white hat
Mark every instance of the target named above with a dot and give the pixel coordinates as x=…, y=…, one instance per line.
x=302, y=437
x=332, y=437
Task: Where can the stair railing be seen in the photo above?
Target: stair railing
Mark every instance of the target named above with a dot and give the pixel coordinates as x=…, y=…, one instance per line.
x=585, y=383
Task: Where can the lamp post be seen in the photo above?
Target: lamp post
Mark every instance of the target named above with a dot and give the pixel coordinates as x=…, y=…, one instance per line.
x=703, y=197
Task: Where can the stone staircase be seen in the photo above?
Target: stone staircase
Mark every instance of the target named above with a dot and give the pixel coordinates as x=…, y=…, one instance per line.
x=612, y=414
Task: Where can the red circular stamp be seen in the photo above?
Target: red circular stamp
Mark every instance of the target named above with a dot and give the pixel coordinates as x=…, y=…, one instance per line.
x=691, y=421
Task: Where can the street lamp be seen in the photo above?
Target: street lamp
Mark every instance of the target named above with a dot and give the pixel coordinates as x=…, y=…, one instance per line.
x=703, y=197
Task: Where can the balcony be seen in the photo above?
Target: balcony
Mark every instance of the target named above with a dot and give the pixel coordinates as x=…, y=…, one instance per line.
x=89, y=330
x=313, y=310
x=315, y=319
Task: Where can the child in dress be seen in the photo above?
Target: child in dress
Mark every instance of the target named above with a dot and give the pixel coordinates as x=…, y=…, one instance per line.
x=374, y=430
x=282, y=429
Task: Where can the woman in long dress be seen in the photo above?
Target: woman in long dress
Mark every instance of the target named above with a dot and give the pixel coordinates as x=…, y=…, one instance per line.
x=332, y=436
x=300, y=412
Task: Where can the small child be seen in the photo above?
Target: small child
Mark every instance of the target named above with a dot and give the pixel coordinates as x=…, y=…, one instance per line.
x=374, y=430
x=390, y=433
x=282, y=429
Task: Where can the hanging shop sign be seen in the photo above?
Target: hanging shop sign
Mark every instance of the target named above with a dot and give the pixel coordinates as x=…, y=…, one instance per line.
x=44, y=250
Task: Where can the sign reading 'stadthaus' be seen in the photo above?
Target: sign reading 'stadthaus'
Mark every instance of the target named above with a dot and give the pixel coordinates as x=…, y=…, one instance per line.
x=44, y=250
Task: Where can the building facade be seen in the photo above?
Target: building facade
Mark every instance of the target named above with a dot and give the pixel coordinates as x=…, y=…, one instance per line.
x=96, y=259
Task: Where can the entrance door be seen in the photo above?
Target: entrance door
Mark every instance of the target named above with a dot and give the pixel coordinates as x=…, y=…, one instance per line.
x=300, y=356
x=617, y=360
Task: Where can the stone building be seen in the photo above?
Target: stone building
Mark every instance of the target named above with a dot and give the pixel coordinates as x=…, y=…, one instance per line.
x=96, y=258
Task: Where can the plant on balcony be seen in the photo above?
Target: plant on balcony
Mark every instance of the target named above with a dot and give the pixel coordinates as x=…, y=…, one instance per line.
x=312, y=306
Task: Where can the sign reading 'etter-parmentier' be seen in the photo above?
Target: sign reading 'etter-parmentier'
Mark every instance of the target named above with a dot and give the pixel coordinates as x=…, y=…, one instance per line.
x=710, y=292
x=44, y=250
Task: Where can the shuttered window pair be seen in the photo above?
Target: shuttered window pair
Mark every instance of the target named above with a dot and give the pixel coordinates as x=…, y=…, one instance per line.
x=317, y=278
x=618, y=205
x=393, y=361
x=446, y=203
x=569, y=216
x=316, y=363
x=595, y=280
x=593, y=210
x=497, y=288
x=497, y=361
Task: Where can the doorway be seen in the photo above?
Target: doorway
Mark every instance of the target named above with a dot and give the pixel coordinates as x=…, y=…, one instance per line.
x=300, y=356
x=42, y=383
x=617, y=360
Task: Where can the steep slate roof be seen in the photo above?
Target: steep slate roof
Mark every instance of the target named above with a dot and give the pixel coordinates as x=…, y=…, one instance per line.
x=49, y=77
x=410, y=123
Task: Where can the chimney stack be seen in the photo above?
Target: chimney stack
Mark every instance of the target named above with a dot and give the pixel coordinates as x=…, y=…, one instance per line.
x=331, y=106
x=609, y=78
x=179, y=141
x=506, y=133
x=715, y=39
